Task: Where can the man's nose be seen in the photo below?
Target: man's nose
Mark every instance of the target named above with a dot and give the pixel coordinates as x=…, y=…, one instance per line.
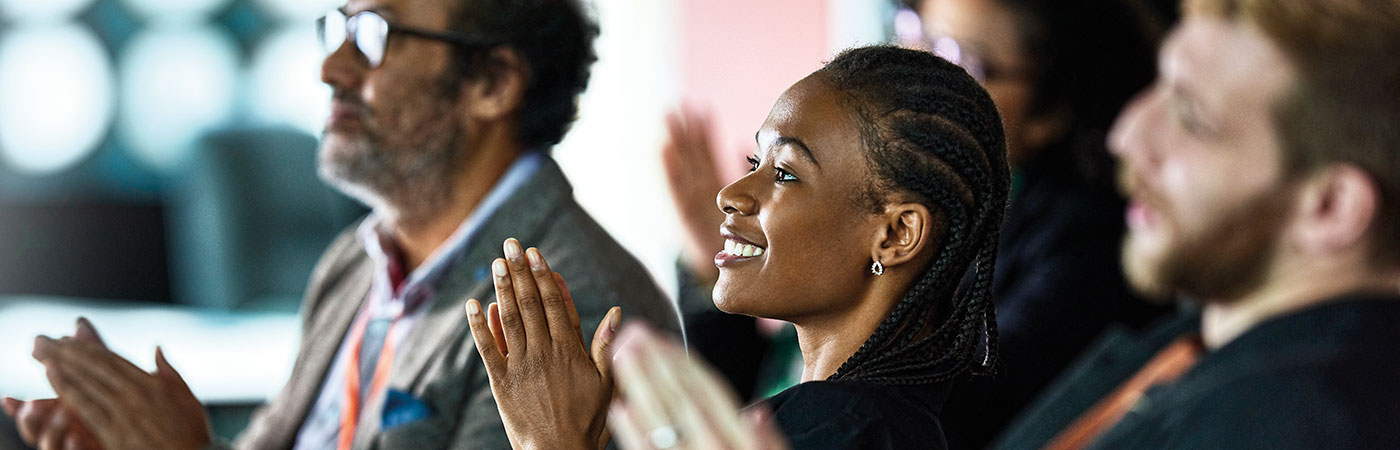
x=342, y=68
x=1128, y=139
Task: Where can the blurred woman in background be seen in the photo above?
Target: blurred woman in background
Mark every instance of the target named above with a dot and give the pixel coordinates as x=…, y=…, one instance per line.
x=1059, y=72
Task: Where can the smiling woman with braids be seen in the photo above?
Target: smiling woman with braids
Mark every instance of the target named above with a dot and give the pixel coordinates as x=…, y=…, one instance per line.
x=878, y=183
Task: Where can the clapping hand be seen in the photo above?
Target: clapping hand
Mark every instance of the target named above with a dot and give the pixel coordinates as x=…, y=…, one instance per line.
x=694, y=181
x=121, y=405
x=551, y=390
x=47, y=424
x=673, y=402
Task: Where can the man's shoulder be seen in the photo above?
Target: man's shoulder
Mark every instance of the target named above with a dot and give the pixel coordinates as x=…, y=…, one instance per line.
x=343, y=261
x=344, y=251
x=1339, y=400
x=599, y=271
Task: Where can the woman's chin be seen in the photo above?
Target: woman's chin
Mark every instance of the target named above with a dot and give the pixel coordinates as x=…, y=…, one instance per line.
x=726, y=303
x=732, y=302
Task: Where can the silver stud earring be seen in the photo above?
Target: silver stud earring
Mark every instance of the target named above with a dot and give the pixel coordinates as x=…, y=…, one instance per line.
x=877, y=268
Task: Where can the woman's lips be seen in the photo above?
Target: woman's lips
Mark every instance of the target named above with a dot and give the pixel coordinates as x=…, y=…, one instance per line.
x=736, y=250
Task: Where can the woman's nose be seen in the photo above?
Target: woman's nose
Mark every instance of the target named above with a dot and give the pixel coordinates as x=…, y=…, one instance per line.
x=736, y=198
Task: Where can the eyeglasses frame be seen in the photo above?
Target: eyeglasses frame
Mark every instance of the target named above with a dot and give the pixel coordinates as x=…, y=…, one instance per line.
x=392, y=28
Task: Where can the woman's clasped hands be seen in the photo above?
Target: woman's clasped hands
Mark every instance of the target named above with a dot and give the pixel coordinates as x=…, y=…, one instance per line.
x=550, y=388
x=553, y=391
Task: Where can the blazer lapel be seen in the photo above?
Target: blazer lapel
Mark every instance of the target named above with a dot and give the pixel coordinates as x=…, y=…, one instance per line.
x=521, y=216
x=320, y=343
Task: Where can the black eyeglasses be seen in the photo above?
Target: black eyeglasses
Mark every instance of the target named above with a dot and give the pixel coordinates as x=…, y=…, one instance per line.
x=370, y=32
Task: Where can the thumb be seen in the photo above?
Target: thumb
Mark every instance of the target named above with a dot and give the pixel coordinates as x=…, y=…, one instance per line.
x=603, y=341
x=87, y=333
x=11, y=406
x=168, y=375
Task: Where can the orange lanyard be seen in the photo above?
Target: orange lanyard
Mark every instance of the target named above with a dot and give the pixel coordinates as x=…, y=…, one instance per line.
x=351, y=412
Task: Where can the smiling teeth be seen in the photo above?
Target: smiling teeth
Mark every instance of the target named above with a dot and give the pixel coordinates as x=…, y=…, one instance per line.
x=739, y=249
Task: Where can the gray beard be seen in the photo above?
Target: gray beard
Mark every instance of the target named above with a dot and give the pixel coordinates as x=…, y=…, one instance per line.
x=409, y=180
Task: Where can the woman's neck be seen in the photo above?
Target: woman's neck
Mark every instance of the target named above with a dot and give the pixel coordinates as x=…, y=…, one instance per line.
x=828, y=341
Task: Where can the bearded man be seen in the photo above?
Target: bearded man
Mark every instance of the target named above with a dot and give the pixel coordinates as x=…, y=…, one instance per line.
x=443, y=115
x=1263, y=169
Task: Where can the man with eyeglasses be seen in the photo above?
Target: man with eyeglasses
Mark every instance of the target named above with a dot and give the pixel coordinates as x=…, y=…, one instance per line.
x=442, y=117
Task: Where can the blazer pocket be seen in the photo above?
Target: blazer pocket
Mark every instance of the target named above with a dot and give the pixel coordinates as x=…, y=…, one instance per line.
x=425, y=433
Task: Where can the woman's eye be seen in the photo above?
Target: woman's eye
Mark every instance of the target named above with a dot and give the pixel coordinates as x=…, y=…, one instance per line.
x=753, y=163
x=785, y=176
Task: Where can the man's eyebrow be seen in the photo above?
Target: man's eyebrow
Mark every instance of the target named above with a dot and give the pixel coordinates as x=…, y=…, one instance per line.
x=378, y=9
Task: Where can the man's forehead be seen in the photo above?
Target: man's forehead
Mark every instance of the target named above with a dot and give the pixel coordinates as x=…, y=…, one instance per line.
x=400, y=10
x=1213, y=54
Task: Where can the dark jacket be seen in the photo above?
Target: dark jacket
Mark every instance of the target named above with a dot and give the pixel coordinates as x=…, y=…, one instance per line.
x=1113, y=358
x=1325, y=377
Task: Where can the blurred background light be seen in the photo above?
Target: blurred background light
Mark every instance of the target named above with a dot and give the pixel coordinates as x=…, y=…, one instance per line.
x=300, y=9
x=41, y=10
x=908, y=27
x=177, y=10
x=56, y=83
x=177, y=84
x=286, y=83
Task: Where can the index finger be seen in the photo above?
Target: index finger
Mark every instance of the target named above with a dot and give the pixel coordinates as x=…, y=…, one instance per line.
x=511, y=325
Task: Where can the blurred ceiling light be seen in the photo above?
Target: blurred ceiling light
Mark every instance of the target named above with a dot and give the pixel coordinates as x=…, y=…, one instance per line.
x=41, y=10
x=307, y=10
x=57, y=87
x=177, y=84
x=176, y=10
x=286, y=84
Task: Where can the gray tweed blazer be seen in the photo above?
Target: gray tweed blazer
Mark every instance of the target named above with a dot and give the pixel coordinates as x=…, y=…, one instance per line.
x=438, y=362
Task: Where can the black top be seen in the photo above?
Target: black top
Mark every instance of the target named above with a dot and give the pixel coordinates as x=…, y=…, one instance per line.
x=860, y=415
x=1325, y=377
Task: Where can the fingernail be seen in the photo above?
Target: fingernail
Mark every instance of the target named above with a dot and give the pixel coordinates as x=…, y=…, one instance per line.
x=536, y=261
x=512, y=249
x=499, y=267
x=473, y=308
x=616, y=319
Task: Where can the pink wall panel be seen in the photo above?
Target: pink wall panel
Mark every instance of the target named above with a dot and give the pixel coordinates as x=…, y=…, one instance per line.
x=737, y=58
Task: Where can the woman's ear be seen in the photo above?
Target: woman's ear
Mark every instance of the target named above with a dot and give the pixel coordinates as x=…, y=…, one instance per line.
x=499, y=92
x=907, y=229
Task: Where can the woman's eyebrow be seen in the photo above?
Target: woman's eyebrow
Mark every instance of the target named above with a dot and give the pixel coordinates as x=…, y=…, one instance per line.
x=793, y=141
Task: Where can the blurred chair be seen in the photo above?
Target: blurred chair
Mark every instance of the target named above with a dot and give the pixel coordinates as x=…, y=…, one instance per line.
x=83, y=247
x=248, y=219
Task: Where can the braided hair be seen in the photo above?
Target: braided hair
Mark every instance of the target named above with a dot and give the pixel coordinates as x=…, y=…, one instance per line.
x=931, y=135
